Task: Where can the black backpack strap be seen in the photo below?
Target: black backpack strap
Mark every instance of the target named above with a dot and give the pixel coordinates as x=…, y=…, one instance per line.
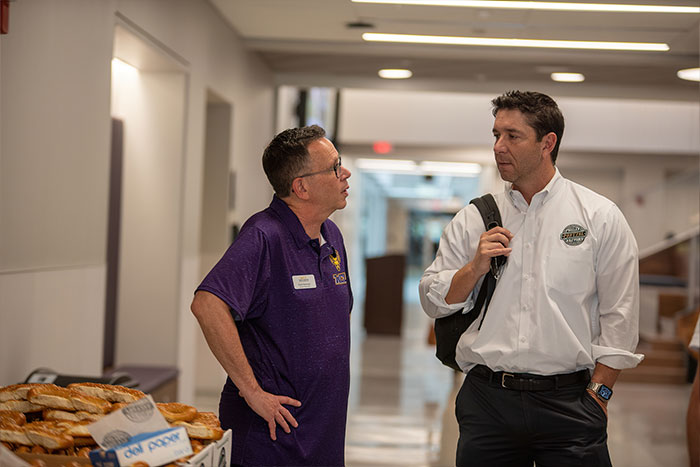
x=484, y=298
x=489, y=211
x=492, y=218
x=450, y=328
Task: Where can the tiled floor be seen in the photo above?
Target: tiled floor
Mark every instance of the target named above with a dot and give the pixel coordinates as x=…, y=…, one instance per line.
x=399, y=394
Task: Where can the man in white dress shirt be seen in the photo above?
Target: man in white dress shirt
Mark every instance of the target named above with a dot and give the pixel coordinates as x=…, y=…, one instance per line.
x=563, y=320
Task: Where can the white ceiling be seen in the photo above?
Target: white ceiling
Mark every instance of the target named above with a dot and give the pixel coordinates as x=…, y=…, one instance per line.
x=308, y=42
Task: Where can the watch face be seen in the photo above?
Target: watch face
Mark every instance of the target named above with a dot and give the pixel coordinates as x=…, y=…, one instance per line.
x=605, y=392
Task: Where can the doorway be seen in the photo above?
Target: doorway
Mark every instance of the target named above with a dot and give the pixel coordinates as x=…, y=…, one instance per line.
x=218, y=200
x=148, y=97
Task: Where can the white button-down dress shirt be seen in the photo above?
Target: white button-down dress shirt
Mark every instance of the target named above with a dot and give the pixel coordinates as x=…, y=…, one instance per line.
x=568, y=296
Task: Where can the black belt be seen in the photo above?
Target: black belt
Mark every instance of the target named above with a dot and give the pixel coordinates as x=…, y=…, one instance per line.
x=529, y=382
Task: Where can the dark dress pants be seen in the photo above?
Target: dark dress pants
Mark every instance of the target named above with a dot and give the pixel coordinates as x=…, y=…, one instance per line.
x=510, y=428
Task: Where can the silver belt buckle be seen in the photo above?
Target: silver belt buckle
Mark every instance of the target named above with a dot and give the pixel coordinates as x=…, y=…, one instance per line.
x=503, y=379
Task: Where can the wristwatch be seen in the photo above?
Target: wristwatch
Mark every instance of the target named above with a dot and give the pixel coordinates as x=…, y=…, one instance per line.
x=600, y=390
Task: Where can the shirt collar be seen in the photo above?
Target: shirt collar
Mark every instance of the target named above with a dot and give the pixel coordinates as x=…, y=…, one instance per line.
x=292, y=222
x=551, y=187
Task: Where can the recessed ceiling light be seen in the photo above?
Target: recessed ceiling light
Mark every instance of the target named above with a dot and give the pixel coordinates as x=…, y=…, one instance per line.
x=502, y=42
x=561, y=6
x=395, y=73
x=567, y=77
x=690, y=74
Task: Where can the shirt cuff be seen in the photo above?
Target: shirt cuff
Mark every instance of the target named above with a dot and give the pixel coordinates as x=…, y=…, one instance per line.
x=615, y=358
x=439, y=287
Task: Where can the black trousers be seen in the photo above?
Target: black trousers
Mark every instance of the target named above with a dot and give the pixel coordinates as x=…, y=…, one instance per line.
x=554, y=428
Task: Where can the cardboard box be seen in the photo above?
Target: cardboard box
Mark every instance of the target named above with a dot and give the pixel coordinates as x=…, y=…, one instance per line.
x=203, y=459
x=217, y=454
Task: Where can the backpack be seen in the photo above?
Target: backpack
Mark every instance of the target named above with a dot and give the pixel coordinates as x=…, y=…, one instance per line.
x=449, y=329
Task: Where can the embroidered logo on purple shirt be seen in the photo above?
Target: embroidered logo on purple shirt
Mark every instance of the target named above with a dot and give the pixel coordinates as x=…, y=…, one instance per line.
x=340, y=278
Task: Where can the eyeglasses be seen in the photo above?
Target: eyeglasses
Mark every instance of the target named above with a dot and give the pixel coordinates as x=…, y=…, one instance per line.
x=336, y=168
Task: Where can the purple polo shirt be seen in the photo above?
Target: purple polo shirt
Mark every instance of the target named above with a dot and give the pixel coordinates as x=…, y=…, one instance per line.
x=291, y=300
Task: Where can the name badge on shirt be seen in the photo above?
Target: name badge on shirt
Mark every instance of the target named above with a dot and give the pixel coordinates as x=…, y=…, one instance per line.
x=307, y=281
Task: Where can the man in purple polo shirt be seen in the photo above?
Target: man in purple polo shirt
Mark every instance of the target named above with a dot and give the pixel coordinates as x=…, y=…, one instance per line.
x=275, y=312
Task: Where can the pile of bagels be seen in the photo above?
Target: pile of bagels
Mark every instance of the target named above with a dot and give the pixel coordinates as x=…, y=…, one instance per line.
x=49, y=419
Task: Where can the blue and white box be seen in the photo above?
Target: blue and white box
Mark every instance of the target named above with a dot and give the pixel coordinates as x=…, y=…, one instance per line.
x=156, y=448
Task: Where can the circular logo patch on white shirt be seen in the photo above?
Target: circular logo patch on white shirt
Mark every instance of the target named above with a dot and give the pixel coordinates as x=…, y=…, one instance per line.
x=573, y=234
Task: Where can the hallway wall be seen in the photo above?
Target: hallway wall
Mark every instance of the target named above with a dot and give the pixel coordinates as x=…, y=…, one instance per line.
x=54, y=163
x=54, y=159
x=151, y=105
x=465, y=119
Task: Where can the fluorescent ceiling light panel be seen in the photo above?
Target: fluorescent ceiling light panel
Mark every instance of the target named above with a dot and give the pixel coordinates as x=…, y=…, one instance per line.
x=501, y=42
x=557, y=6
x=690, y=74
x=450, y=168
x=387, y=165
x=455, y=169
x=395, y=73
x=567, y=77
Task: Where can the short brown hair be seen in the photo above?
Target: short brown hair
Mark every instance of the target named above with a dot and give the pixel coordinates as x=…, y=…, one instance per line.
x=287, y=155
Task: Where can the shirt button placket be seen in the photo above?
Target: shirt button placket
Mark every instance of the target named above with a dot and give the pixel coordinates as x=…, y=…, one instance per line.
x=320, y=264
x=526, y=297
